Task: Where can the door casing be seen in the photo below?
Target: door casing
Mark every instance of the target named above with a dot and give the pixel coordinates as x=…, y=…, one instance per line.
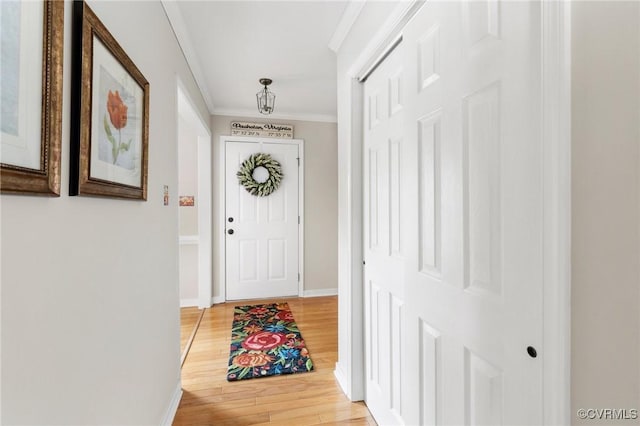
x=556, y=139
x=222, y=272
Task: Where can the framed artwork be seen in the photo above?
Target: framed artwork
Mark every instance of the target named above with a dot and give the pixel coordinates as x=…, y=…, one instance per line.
x=109, y=114
x=31, y=35
x=187, y=201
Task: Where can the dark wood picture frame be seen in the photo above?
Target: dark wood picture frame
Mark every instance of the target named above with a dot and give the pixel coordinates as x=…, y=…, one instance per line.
x=46, y=179
x=86, y=29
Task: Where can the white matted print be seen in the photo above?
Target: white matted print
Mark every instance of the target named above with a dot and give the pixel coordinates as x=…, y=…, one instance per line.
x=21, y=27
x=117, y=114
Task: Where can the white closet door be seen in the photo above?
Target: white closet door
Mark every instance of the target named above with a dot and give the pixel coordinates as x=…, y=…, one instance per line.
x=385, y=248
x=453, y=219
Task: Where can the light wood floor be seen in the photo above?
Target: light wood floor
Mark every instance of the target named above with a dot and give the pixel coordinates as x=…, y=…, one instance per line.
x=188, y=320
x=295, y=399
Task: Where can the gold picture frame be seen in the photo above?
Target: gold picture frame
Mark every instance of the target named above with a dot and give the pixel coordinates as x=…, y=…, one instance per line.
x=109, y=114
x=31, y=161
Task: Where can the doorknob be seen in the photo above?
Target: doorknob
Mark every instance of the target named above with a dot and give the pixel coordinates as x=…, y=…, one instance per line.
x=532, y=351
x=230, y=232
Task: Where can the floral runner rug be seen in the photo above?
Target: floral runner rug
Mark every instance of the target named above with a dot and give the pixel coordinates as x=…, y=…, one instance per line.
x=265, y=341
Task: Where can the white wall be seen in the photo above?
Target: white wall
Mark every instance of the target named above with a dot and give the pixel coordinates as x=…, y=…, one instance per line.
x=605, y=342
x=320, y=202
x=90, y=318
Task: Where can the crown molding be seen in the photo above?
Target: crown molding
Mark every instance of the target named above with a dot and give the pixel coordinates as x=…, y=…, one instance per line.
x=246, y=113
x=351, y=13
x=179, y=27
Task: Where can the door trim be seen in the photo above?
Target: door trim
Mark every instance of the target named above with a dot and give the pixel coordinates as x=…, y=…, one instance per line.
x=222, y=273
x=556, y=140
x=205, y=260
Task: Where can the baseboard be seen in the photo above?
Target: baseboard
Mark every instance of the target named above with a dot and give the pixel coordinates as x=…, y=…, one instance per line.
x=172, y=409
x=320, y=292
x=186, y=303
x=307, y=293
x=342, y=380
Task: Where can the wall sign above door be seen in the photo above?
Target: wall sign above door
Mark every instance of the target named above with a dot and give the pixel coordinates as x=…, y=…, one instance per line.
x=269, y=130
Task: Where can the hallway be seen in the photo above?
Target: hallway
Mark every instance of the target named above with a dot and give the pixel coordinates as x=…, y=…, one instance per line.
x=300, y=399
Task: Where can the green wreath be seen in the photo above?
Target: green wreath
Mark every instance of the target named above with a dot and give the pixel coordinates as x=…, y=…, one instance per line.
x=260, y=189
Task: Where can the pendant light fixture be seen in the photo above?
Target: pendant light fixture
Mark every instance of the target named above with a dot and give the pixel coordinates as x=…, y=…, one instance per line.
x=266, y=99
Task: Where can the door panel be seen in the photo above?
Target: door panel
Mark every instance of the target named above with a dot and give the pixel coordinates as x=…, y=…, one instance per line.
x=429, y=187
x=481, y=139
x=384, y=240
x=277, y=202
x=262, y=251
x=453, y=218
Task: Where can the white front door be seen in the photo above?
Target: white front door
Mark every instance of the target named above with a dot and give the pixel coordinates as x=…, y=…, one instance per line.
x=261, y=232
x=453, y=219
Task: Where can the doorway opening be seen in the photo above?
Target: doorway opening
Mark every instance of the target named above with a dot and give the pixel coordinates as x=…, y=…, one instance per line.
x=194, y=190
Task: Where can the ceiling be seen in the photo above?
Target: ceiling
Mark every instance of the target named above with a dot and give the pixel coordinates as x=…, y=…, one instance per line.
x=231, y=44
